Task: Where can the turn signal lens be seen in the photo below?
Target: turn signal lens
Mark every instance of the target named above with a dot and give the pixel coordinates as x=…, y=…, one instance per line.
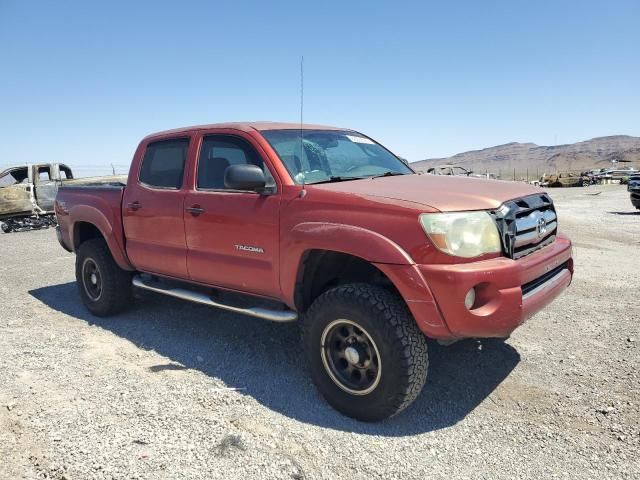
x=470, y=298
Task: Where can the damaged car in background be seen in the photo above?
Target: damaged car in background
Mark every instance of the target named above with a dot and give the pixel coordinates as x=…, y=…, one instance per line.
x=453, y=170
x=458, y=171
x=633, y=187
x=27, y=193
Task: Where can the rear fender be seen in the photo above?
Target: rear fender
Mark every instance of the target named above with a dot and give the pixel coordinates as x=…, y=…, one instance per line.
x=97, y=218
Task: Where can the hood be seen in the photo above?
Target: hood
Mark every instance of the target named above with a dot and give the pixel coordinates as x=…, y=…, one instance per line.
x=444, y=193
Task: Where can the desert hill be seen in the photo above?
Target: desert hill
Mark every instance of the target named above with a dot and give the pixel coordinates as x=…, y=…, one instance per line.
x=600, y=152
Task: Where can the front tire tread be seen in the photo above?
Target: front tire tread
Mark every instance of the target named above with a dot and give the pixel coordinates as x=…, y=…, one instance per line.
x=396, y=327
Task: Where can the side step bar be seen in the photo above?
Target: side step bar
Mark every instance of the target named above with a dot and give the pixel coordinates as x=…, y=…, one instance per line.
x=197, y=297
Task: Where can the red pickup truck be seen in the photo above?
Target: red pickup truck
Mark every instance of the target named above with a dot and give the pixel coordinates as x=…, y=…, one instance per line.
x=326, y=227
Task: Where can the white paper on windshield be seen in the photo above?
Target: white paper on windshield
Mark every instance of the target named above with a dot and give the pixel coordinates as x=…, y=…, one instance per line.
x=355, y=139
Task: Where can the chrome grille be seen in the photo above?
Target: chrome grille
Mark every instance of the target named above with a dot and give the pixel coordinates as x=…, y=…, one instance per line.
x=526, y=224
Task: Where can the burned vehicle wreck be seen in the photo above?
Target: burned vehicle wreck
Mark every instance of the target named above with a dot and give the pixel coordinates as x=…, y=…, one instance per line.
x=27, y=194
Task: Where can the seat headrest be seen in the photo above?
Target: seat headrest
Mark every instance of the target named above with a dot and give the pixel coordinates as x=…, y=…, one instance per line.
x=211, y=174
x=292, y=161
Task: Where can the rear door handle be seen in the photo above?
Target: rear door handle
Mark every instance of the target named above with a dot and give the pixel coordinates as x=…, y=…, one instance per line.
x=195, y=210
x=134, y=206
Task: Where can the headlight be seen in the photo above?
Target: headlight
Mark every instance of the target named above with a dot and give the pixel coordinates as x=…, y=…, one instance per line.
x=463, y=234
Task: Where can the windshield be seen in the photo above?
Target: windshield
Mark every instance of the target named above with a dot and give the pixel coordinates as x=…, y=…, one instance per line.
x=332, y=155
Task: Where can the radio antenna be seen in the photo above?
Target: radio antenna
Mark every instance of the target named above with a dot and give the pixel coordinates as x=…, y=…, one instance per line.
x=303, y=192
x=301, y=92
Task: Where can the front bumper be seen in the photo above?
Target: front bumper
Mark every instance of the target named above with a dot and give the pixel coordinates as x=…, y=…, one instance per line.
x=507, y=292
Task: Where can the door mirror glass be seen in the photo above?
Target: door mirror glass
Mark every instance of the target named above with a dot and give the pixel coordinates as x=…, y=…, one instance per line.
x=244, y=177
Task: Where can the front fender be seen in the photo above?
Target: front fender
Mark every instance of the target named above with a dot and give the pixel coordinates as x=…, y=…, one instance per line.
x=357, y=241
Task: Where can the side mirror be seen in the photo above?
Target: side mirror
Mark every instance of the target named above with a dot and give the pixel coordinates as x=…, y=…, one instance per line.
x=244, y=177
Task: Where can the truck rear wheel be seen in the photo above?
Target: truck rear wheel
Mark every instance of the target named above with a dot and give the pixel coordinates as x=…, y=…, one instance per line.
x=104, y=287
x=367, y=356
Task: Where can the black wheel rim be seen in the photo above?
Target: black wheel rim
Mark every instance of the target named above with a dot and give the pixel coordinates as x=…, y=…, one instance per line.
x=91, y=279
x=351, y=357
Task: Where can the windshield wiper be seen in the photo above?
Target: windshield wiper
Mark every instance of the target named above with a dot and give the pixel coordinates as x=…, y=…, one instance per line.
x=388, y=174
x=334, y=179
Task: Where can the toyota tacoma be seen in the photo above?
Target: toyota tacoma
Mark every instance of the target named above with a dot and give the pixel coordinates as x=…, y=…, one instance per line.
x=326, y=227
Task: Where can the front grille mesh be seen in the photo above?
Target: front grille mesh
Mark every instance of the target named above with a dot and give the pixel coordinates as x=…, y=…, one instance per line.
x=526, y=224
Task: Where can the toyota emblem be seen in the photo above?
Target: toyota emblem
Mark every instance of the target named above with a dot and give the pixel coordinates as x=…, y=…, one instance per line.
x=541, y=227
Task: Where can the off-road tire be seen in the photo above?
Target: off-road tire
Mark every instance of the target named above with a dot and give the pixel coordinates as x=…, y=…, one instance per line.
x=116, y=289
x=401, y=346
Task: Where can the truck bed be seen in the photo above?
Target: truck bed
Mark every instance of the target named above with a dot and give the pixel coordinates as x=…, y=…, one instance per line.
x=108, y=180
x=92, y=201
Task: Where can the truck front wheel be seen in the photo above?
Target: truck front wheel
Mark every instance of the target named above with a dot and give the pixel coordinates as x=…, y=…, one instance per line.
x=104, y=287
x=367, y=356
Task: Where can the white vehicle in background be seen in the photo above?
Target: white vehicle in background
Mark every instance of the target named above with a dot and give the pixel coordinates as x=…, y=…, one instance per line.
x=458, y=171
x=453, y=170
x=612, y=175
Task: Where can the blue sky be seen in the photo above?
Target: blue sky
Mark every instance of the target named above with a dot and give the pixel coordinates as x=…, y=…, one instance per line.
x=82, y=82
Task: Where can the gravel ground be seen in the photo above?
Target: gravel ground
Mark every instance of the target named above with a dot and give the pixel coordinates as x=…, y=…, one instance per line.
x=175, y=390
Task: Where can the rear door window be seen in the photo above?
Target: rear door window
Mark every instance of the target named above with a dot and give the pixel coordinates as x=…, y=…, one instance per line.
x=163, y=163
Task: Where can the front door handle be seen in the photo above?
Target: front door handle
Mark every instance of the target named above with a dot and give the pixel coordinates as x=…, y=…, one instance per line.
x=134, y=205
x=195, y=210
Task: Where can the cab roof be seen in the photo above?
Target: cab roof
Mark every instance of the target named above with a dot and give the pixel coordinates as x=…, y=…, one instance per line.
x=246, y=127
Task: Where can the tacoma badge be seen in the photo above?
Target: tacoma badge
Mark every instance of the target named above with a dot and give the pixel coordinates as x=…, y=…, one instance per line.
x=249, y=248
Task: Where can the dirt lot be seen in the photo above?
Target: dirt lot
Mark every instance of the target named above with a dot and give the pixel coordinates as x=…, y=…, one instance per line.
x=175, y=390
